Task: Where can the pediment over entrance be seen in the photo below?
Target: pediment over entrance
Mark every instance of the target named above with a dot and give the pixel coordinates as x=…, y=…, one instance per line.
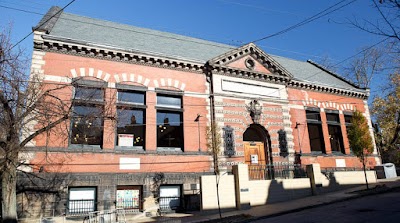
x=252, y=59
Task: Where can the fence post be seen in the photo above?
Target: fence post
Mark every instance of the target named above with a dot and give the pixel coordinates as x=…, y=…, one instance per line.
x=242, y=184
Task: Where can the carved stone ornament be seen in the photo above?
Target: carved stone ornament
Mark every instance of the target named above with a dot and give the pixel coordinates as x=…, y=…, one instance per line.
x=255, y=110
x=249, y=63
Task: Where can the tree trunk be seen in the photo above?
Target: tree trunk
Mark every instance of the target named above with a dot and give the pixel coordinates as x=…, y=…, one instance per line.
x=365, y=171
x=9, y=195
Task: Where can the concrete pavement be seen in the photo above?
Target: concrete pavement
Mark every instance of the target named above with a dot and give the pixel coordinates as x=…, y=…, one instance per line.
x=276, y=209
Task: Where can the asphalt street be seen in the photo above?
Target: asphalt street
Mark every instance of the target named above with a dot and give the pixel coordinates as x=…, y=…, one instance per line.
x=383, y=208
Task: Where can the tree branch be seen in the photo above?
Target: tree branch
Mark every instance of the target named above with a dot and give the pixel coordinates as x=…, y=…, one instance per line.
x=44, y=129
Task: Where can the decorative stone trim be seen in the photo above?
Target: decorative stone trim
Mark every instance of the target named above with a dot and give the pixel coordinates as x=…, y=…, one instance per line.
x=326, y=89
x=91, y=73
x=248, y=74
x=257, y=54
x=117, y=55
x=168, y=82
x=323, y=105
x=131, y=78
x=281, y=75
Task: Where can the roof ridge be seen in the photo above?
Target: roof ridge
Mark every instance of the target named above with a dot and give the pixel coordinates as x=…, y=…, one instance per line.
x=48, y=21
x=334, y=74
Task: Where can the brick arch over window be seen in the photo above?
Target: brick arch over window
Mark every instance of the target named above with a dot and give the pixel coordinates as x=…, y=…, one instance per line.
x=133, y=78
x=90, y=72
x=331, y=105
x=169, y=82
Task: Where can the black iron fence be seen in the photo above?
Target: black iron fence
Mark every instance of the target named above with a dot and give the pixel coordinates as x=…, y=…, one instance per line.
x=170, y=204
x=336, y=169
x=131, y=203
x=282, y=171
x=81, y=207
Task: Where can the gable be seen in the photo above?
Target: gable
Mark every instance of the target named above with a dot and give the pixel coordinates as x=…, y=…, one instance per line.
x=250, y=58
x=248, y=63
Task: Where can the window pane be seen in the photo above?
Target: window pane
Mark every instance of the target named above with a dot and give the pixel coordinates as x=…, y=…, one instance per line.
x=130, y=127
x=169, y=130
x=169, y=118
x=128, y=197
x=332, y=117
x=313, y=115
x=316, y=137
x=89, y=93
x=347, y=119
x=81, y=200
x=132, y=97
x=169, y=101
x=336, y=139
x=87, y=125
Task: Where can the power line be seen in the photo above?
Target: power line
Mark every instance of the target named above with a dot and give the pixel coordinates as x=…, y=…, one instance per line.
x=41, y=24
x=195, y=40
x=220, y=46
x=308, y=20
x=352, y=56
x=260, y=8
x=107, y=26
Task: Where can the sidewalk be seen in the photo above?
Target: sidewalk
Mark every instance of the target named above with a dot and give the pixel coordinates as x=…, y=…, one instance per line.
x=276, y=209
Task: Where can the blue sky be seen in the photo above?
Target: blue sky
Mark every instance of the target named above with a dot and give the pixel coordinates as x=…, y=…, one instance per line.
x=233, y=22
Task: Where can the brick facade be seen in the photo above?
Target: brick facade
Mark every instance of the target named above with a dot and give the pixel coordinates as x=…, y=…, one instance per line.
x=220, y=89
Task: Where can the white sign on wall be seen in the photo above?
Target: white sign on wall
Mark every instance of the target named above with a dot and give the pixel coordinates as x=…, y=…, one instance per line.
x=340, y=163
x=254, y=159
x=250, y=89
x=125, y=139
x=129, y=163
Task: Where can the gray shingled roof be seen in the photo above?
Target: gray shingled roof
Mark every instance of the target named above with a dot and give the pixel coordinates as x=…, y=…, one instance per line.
x=141, y=40
x=308, y=72
x=137, y=39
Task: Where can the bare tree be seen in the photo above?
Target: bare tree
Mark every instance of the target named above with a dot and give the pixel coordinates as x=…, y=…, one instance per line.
x=388, y=23
x=367, y=65
x=214, y=143
x=28, y=108
x=386, y=111
x=31, y=107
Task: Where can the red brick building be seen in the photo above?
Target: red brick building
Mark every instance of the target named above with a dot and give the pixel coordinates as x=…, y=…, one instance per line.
x=160, y=91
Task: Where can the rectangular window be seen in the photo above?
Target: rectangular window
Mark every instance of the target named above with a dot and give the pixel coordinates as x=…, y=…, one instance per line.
x=335, y=131
x=129, y=197
x=87, y=124
x=169, y=101
x=131, y=97
x=169, y=123
x=347, y=122
x=131, y=119
x=89, y=93
x=81, y=200
x=170, y=197
x=315, y=133
x=87, y=116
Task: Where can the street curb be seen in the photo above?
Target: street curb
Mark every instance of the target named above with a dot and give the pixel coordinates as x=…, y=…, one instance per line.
x=388, y=190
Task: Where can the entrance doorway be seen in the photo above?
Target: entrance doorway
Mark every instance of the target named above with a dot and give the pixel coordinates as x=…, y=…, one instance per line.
x=254, y=153
x=257, y=151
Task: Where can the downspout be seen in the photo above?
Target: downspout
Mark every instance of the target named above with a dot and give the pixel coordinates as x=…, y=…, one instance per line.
x=209, y=76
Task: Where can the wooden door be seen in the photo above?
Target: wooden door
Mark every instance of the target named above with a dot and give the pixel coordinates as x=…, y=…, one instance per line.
x=255, y=159
x=254, y=149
